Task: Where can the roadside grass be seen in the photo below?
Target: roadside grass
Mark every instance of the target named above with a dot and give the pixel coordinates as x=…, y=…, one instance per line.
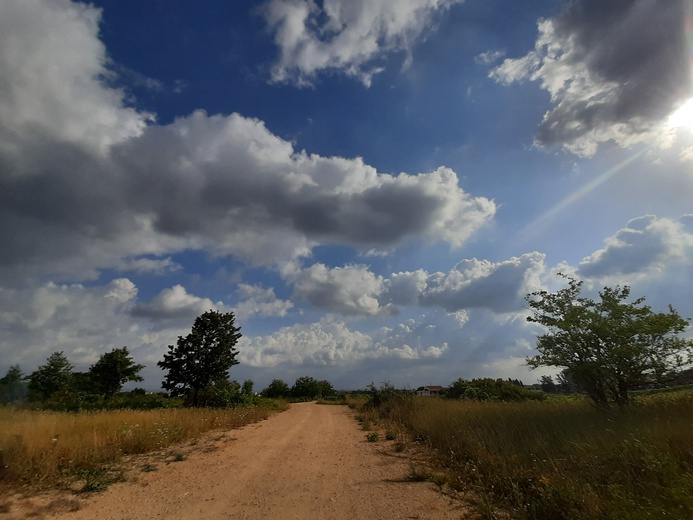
x=561, y=459
x=43, y=449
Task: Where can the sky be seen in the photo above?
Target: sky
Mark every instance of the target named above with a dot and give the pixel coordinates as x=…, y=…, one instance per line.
x=372, y=187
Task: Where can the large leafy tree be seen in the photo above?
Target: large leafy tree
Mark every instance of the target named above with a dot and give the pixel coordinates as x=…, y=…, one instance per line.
x=610, y=345
x=112, y=371
x=54, y=376
x=203, y=357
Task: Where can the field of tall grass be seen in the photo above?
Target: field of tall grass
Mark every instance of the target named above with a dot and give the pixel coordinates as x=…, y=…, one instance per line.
x=43, y=449
x=561, y=459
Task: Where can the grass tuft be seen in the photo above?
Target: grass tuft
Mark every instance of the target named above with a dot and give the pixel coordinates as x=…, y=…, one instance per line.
x=372, y=437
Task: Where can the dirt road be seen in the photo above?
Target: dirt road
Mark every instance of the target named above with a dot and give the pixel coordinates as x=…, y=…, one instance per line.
x=310, y=462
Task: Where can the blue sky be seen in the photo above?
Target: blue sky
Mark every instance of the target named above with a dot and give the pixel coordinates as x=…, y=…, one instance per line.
x=371, y=186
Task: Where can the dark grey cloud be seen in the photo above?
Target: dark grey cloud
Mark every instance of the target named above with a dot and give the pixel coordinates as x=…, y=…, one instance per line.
x=88, y=183
x=615, y=71
x=222, y=183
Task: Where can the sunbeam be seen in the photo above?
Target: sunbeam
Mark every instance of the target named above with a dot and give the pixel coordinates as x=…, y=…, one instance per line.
x=539, y=223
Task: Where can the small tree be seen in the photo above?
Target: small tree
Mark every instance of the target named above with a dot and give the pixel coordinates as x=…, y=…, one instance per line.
x=325, y=389
x=52, y=377
x=608, y=346
x=203, y=357
x=112, y=371
x=277, y=388
x=12, y=387
x=305, y=386
x=247, y=388
x=547, y=384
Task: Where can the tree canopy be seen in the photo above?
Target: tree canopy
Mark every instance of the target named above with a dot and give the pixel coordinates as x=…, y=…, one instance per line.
x=308, y=387
x=54, y=376
x=607, y=346
x=112, y=371
x=277, y=388
x=12, y=385
x=203, y=357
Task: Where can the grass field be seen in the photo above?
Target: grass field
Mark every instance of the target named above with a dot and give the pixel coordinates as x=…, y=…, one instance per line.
x=562, y=459
x=45, y=449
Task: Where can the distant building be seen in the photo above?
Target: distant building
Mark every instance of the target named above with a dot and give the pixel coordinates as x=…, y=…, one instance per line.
x=430, y=390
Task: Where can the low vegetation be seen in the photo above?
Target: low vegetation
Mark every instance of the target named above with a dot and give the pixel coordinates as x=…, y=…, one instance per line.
x=45, y=448
x=562, y=458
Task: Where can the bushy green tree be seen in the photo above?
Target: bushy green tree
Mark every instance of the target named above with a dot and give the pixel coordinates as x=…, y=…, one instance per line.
x=12, y=385
x=112, y=371
x=247, y=388
x=608, y=346
x=203, y=357
x=305, y=386
x=325, y=389
x=277, y=388
x=309, y=387
x=547, y=385
x=54, y=376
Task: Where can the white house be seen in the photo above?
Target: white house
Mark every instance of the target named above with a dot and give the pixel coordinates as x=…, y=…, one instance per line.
x=430, y=390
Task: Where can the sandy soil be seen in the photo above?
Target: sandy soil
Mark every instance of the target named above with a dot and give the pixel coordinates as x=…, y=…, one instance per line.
x=310, y=462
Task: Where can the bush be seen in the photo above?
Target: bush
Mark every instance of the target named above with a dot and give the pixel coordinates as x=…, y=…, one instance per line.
x=228, y=394
x=488, y=389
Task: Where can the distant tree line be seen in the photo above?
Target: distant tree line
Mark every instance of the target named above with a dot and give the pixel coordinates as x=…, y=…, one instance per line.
x=304, y=388
x=197, y=374
x=57, y=385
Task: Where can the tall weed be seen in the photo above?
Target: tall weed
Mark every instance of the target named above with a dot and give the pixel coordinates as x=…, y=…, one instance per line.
x=564, y=459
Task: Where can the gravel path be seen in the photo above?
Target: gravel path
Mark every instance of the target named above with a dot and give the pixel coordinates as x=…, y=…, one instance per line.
x=309, y=462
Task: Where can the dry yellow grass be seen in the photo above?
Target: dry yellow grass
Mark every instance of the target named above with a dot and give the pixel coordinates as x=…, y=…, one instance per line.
x=562, y=459
x=44, y=448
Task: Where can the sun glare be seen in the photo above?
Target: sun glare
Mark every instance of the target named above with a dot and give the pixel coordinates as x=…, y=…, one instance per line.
x=683, y=116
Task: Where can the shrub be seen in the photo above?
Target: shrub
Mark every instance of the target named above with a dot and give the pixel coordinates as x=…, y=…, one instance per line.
x=491, y=390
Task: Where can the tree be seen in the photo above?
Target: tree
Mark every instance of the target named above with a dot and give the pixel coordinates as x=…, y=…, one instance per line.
x=112, y=371
x=310, y=387
x=607, y=346
x=305, y=387
x=12, y=387
x=203, y=357
x=247, y=388
x=277, y=388
x=547, y=384
x=325, y=389
x=566, y=382
x=52, y=377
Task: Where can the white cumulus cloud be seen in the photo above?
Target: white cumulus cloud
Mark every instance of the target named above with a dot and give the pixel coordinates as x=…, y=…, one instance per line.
x=646, y=244
x=347, y=37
